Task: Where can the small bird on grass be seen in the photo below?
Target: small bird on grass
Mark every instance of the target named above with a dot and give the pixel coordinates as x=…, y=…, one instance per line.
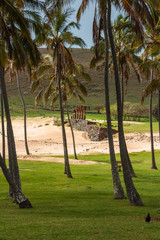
x=148, y=218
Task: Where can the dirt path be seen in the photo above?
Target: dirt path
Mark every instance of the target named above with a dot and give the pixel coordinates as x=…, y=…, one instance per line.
x=56, y=159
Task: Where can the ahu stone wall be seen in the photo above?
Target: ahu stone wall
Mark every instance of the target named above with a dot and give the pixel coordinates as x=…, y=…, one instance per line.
x=95, y=133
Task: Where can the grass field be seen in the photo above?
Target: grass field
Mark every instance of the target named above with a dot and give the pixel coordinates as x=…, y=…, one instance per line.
x=81, y=208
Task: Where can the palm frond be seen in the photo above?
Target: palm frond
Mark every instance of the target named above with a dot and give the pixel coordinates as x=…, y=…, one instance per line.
x=152, y=87
x=34, y=86
x=82, y=8
x=39, y=96
x=155, y=4
x=81, y=98
x=48, y=92
x=54, y=100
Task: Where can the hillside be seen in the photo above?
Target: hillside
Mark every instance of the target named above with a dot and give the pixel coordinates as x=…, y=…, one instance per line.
x=95, y=88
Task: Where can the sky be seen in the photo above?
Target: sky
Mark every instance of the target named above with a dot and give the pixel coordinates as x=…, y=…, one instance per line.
x=85, y=31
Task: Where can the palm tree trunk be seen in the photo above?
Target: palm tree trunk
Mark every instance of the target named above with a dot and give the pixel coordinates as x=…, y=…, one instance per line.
x=24, y=113
x=122, y=105
x=122, y=88
x=3, y=128
x=74, y=145
x=67, y=166
x=151, y=134
x=117, y=186
x=159, y=112
x=132, y=193
x=13, y=163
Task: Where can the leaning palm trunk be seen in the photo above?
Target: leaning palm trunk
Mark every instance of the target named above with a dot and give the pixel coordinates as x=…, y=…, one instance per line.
x=122, y=94
x=132, y=173
x=13, y=164
x=24, y=113
x=67, y=167
x=132, y=193
x=19, y=197
x=117, y=187
x=70, y=124
x=3, y=128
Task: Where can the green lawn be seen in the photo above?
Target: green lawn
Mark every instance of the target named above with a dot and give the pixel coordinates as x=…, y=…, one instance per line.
x=81, y=208
x=140, y=128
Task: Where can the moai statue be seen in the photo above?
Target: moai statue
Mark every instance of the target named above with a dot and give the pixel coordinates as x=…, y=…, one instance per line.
x=84, y=112
x=77, y=108
x=74, y=114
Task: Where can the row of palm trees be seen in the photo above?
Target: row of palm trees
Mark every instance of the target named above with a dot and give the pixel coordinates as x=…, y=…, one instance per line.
x=128, y=44
x=134, y=10
x=21, y=52
x=16, y=45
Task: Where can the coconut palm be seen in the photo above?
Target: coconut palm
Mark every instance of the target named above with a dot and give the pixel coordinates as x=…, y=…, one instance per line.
x=132, y=193
x=3, y=60
x=151, y=66
x=72, y=87
x=12, y=18
x=58, y=36
x=138, y=7
x=127, y=45
x=47, y=86
x=14, y=72
x=25, y=58
x=139, y=12
x=148, y=91
x=3, y=127
x=117, y=187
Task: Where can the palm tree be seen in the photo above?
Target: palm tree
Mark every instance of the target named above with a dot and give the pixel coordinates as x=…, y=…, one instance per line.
x=3, y=59
x=117, y=187
x=27, y=56
x=150, y=66
x=3, y=127
x=11, y=18
x=134, y=9
x=127, y=45
x=58, y=35
x=132, y=193
x=71, y=85
x=14, y=72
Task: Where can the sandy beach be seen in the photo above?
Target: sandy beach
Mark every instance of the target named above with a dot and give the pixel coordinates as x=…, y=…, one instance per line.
x=45, y=141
